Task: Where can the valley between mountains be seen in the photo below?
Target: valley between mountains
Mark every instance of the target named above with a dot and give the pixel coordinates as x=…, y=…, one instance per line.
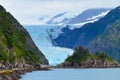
x=90, y=39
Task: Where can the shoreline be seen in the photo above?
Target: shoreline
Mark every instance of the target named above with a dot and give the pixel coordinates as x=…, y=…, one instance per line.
x=15, y=74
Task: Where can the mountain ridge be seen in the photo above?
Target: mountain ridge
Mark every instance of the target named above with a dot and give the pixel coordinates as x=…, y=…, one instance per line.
x=84, y=35
x=75, y=17
x=16, y=46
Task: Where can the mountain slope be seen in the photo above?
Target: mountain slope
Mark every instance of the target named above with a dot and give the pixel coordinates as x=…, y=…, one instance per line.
x=84, y=35
x=77, y=18
x=109, y=42
x=16, y=46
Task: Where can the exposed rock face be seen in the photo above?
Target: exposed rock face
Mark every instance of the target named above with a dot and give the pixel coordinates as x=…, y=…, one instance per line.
x=90, y=63
x=16, y=46
x=15, y=74
x=12, y=76
x=83, y=59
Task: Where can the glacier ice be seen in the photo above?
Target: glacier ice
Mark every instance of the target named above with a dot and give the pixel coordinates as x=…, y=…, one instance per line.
x=41, y=37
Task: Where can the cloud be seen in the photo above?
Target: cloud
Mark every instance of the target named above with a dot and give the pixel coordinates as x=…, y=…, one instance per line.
x=28, y=11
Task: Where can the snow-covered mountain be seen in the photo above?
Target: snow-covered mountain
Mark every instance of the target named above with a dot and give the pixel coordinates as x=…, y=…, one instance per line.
x=76, y=17
x=83, y=36
x=44, y=35
x=41, y=35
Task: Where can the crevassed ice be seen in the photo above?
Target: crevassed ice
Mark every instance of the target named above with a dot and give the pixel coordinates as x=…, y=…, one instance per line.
x=41, y=37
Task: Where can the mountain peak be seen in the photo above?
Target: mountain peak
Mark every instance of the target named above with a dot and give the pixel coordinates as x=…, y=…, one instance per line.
x=2, y=9
x=118, y=7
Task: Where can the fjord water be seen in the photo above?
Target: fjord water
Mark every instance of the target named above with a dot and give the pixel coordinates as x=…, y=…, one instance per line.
x=74, y=74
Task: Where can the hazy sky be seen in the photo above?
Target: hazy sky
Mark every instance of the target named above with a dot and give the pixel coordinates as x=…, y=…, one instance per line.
x=29, y=11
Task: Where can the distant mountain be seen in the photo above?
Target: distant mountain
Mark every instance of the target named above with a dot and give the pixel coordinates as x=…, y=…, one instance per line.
x=55, y=17
x=109, y=42
x=84, y=35
x=78, y=18
x=89, y=16
x=16, y=46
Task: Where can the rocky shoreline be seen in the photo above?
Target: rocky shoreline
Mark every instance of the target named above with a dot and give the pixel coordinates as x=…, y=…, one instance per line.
x=18, y=52
x=90, y=64
x=82, y=58
x=15, y=74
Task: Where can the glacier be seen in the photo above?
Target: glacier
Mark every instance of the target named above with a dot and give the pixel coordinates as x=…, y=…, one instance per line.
x=41, y=37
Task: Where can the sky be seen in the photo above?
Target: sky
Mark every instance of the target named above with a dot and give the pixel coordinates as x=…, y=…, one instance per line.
x=29, y=11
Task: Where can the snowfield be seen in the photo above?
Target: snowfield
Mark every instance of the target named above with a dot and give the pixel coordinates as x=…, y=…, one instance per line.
x=75, y=17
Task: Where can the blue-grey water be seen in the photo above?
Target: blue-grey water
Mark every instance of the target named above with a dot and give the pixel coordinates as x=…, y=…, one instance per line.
x=74, y=74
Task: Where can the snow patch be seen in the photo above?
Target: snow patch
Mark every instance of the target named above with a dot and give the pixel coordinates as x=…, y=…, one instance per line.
x=79, y=25
x=89, y=20
x=70, y=14
x=99, y=16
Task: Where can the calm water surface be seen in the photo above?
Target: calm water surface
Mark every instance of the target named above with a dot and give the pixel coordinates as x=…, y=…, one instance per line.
x=74, y=74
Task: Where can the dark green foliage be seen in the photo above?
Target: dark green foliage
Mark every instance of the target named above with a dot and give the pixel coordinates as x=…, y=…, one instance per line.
x=15, y=42
x=3, y=56
x=82, y=54
x=101, y=56
x=2, y=9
